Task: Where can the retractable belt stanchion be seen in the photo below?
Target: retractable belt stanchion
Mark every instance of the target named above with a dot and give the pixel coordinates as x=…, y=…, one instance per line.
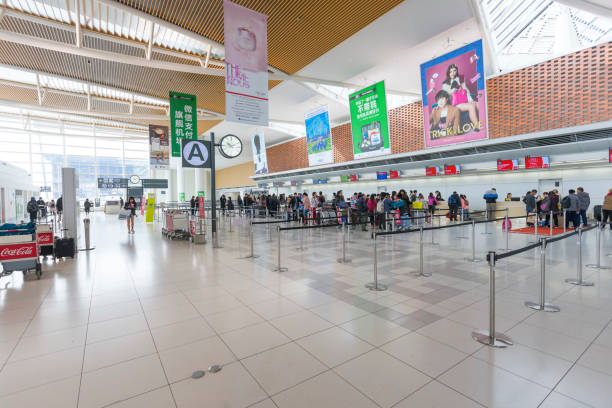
x=462, y=236
x=279, y=268
x=536, y=220
x=550, y=223
x=542, y=305
x=375, y=285
x=349, y=221
x=343, y=259
x=301, y=247
x=473, y=258
x=564, y=220
x=598, y=265
x=491, y=338
x=230, y=224
x=421, y=266
x=251, y=241
x=579, y=281
x=433, y=242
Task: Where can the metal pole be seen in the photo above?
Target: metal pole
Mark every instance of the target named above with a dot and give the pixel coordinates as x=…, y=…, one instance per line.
x=251, y=243
x=473, y=258
x=432, y=236
x=462, y=226
x=343, y=259
x=213, y=191
x=375, y=285
x=564, y=220
x=578, y=281
x=421, y=263
x=542, y=305
x=598, y=265
x=301, y=247
x=348, y=221
x=279, y=268
x=230, y=223
x=537, y=221
x=551, y=223
x=490, y=337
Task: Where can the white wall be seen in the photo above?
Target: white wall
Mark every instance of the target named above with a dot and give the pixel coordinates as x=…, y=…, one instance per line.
x=11, y=179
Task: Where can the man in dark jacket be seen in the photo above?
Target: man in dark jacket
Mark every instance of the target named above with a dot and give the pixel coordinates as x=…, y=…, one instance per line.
x=585, y=202
x=530, y=204
x=362, y=207
x=59, y=205
x=454, y=201
x=32, y=209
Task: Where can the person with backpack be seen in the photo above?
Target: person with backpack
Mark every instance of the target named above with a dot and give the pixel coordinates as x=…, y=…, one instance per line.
x=431, y=206
x=371, y=204
x=490, y=197
x=585, y=203
x=454, y=201
x=404, y=218
x=554, y=206
x=32, y=209
x=380, y=211
x=87, y=206
x=571, y=205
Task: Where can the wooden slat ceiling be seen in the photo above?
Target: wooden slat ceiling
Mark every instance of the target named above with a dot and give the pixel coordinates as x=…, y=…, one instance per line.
x=299, y=31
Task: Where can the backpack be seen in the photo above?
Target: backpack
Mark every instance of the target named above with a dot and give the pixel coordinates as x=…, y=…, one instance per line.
x=544, y=206
x=32, y=206
x=380, y=207
x=566, y=202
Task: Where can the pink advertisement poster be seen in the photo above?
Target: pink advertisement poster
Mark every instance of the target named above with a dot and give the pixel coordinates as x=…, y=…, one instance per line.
x=246, y=57
x=454, y=97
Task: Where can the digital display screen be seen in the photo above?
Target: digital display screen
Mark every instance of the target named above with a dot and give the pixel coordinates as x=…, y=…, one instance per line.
x=450, y=169
x=507, y=165
x=354, y=177
x=542, y=162
x=432, y=171
x=396, y=174
x=381, y=175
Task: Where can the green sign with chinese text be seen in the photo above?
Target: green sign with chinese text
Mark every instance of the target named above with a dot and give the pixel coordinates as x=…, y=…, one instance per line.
x=369, y=122
x=183, y=120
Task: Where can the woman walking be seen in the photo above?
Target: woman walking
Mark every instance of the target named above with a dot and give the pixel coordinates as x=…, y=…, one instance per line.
x=130, y=205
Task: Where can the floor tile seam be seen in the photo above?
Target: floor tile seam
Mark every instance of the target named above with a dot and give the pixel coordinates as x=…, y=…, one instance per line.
x=46, y=354
x=136, y=396
x=442, y=384
x=120, y=317
x=155, y=344
x=25, y=329
x=57, y=380
x=555, y=331
x=576, y=362
x=568, y=397
x=232, y=352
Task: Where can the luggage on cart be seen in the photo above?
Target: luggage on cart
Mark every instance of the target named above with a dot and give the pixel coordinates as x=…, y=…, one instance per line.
x=597, y=212
x=64, y=247
x=45, y=250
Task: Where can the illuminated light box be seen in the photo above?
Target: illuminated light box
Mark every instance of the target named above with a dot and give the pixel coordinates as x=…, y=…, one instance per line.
x=381, y=175
x=451, y=169
x=432, y=171
x=540, y=162
x=507, y=165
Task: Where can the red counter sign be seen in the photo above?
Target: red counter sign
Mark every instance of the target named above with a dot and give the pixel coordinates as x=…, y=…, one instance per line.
x=610, y=154
x=396, y=174
x=537, y=162
x=451, y=169
x=432, y=171
x=506, y=165
x=143, y=203
x=201, y=207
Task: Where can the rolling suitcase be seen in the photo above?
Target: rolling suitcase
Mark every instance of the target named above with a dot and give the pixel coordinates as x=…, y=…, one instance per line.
x=64, y=247
x=597, y=212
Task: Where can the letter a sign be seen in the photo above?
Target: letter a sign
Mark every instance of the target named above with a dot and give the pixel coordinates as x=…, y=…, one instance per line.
x=195, y=153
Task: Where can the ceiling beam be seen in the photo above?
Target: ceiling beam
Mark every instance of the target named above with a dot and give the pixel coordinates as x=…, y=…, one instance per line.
x=486, y=31
x=77, y=23
x=150, y=44
x=38, y=91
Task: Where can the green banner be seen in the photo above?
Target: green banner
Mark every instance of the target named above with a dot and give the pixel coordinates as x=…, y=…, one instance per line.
x=200, y=194
x=181, y=196
x=369, y=122
x=183, y=120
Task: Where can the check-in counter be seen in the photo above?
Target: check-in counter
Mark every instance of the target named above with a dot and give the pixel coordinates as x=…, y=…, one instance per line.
x=515, y=208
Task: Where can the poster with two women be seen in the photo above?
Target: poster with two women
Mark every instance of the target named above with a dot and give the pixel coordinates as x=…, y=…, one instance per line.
x=454, y=97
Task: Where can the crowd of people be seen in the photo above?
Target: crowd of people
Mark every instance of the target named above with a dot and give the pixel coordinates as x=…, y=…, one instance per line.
x=39, y=209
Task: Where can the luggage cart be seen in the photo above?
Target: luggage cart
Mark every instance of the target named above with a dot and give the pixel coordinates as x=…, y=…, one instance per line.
x=176, y=224
x=197, y=230
x=19, y=250
x=44, y=239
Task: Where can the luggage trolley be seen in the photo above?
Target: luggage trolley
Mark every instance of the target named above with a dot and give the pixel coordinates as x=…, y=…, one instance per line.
x=176, y=224
x=19, y=249
x=44, y=239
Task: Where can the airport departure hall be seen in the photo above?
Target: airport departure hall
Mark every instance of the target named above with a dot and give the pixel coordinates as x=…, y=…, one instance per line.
x=305, y=203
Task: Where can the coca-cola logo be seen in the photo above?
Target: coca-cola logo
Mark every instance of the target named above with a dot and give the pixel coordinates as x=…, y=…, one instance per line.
x=13, y=252
x=45, y=238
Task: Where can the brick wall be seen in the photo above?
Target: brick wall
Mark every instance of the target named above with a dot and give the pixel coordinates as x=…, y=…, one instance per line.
x=567, y=91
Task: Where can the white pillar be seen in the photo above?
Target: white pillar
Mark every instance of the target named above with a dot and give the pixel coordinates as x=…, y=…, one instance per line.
x=180, y=185
x=200, y=182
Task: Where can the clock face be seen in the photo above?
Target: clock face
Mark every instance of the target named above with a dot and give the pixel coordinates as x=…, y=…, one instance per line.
x=230, y=146
x=134, y=179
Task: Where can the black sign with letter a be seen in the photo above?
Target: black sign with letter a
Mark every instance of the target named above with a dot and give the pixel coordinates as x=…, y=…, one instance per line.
x=195, y=153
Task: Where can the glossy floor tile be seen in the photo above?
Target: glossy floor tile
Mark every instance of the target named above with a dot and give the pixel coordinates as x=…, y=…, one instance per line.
x=127, y=324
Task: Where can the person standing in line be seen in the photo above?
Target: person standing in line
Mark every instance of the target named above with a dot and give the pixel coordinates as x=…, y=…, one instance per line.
x=572, y=204
x=387, y=207
x=490, y=197
x=230, y=206
x=223, y=201
x=52, y=208
x=131, y=205
x=306, y=207
x=454, y=201
x=585, y=203
x=192, y=205
x=554, y=206
x=239, y=201
x=465, y=207
x=32, y=209
x=530, y=205
x=606, y=210
x=431, y=206
x=59, y=204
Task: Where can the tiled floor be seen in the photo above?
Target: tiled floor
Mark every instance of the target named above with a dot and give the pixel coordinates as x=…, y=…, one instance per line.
x=125, y=325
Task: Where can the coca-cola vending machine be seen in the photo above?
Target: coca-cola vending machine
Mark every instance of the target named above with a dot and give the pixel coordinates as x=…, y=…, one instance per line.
x=19, y=251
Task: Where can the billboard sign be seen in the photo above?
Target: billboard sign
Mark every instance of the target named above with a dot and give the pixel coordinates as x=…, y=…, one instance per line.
x=318, y=137
x=260, y=160
x=159, y=147
x=369, y=122
x=183, y=120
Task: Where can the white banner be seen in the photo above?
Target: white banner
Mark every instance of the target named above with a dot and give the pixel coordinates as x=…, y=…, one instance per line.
x=259, y=153
x=246, y=58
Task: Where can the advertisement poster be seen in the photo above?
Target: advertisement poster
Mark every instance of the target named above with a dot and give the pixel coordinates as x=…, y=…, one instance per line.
x=159, y=147
x=246, y=70
x=183, y=120
x=369, y=122
x=259, y=153
x=454, y=97
x=318, y=137
x=150, y=208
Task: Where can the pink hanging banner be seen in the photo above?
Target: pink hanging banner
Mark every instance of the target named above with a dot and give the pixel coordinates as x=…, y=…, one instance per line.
x=246, y=58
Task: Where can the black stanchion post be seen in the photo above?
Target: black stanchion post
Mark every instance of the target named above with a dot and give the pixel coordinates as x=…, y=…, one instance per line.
x=579, y=281
x=542, y=305
x=375, y=285
x=598, y=265
x=279, y=268
x=491, y=338
x=251, y=241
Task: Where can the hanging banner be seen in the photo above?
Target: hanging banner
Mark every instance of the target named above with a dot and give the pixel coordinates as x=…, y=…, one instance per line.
x=454, y=97
x=246, y=59
x=259, y=153
x=159, y=147
x=183, y=120
x=369, y=122
x=150, y=207
x=318, y=137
